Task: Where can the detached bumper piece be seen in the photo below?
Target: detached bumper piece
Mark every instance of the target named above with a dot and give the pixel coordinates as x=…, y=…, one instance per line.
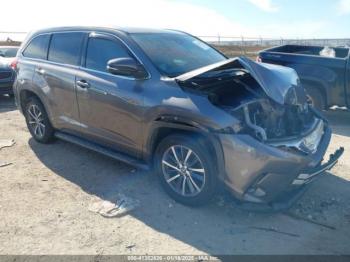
x=297, y=188
x=309, y=175
x=283, y=203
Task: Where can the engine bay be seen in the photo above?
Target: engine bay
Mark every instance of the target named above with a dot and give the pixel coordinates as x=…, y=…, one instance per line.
x=238, y=93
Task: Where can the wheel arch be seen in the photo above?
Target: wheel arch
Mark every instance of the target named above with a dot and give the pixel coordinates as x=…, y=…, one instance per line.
x=318, y=85
x=162, y=128
x=25, y=95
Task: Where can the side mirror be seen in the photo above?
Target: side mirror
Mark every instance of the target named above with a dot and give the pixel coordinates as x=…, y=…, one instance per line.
x=126, y=67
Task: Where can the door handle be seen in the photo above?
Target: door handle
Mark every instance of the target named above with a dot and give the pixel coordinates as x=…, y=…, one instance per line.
x=82, y=84
x=40, y=71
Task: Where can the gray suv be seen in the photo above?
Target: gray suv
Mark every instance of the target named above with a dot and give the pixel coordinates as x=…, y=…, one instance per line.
x=167, y=100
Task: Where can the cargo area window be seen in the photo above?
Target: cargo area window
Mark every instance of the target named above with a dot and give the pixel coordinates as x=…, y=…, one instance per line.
x=37, y=48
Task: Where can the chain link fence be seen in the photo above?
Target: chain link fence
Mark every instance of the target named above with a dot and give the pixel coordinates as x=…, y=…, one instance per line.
x=260, y=41
x=250, y=46
x=230, y=45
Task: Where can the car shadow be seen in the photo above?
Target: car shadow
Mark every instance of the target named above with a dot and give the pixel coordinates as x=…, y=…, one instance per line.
x=218, y=228
x=339, y=120
x=7, y=104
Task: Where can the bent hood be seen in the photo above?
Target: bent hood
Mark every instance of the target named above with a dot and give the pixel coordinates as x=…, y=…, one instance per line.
x=276, y=81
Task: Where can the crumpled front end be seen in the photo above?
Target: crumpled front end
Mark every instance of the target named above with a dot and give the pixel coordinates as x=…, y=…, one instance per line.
x=280, y=140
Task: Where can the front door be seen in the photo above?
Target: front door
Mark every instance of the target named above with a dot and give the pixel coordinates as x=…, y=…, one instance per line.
x=110, y=106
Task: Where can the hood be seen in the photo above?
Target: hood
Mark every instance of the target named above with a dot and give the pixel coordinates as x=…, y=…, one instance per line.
x=276, y=81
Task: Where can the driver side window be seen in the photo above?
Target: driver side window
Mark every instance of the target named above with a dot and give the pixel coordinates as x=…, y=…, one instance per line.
x=100, y=51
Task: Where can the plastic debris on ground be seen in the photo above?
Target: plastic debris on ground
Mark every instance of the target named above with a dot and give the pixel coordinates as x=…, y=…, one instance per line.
x=115, y=208
x=6, y=143
x=3, y=164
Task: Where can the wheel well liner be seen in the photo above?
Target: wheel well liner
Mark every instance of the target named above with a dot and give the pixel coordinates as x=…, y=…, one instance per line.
x=24, y=96
x=163, y=130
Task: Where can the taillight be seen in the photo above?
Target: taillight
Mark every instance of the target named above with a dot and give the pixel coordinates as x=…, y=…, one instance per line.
x=258, y=59
x=14, y=63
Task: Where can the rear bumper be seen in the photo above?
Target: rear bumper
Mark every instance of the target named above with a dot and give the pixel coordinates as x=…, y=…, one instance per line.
x=6, y=87
x=6, y=82
x=263, y=174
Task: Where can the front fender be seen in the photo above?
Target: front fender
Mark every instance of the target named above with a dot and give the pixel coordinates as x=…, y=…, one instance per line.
x=170, y=123
x=166, y=125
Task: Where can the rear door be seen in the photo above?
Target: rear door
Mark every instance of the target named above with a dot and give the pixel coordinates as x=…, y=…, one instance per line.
x=110, y=106
x=56, y=77
x=32, y=54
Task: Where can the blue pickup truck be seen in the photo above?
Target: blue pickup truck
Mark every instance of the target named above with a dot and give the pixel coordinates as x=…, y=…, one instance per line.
x=326, y=78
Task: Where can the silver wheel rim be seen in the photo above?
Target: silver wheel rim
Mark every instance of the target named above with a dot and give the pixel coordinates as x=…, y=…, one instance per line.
x=36, y=121
x=183, y=170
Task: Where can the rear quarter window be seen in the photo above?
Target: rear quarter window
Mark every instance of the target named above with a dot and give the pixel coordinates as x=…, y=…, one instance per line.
x=65, y=48
x=37, y=47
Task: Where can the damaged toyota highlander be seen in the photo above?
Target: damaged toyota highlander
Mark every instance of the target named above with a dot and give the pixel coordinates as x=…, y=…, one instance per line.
x=167, y=100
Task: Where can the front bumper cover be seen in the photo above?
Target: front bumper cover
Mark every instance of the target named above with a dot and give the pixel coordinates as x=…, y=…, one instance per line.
x=310, y=174
x=301, y=183
x=261, y=174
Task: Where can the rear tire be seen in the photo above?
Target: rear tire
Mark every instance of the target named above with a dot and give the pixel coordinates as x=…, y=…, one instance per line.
x=316, y=98
x=186, y=170
x=38, y=122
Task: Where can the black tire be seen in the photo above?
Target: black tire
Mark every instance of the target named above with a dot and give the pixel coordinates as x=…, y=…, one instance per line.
x=46, y=133
x=316, y=98
x=192, y=178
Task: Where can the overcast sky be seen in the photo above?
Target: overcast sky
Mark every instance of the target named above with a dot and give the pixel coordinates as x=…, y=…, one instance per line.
x=265, y=18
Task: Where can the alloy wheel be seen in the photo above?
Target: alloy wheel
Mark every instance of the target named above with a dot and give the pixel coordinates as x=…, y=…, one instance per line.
x=183, y=170
x=36, y=121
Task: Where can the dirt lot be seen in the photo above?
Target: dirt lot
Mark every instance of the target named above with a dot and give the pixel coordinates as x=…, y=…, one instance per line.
x=46, y=193
x=233, y=51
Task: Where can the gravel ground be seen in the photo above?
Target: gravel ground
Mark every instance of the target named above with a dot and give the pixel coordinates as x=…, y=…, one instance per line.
x=46, y=193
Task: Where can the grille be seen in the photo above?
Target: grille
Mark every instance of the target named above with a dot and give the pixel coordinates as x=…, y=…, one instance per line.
x=4, y=75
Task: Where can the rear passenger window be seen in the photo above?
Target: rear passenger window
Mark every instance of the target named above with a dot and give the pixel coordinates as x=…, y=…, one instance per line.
x=100, y=51
x=65, y=48
x=37, y=48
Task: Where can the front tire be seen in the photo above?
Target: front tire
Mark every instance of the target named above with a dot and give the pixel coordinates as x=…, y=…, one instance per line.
x=185, y=169
x=38, y=122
